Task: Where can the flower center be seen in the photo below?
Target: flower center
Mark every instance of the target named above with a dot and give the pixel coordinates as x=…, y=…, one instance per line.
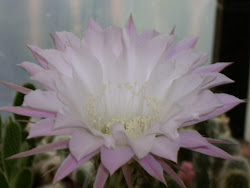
x=124, y=103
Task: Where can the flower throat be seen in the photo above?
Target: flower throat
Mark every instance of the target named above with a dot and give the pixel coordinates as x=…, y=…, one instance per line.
x=124, y=103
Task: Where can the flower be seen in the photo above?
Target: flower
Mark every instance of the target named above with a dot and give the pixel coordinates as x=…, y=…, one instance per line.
x=123, y=96
x=187, y=173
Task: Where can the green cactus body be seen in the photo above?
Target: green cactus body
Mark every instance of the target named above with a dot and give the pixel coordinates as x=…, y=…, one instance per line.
x=11, y=146
x=3, y=181
x=18, y=101
x=12, y=141
x=240, y=163
x=236, y=179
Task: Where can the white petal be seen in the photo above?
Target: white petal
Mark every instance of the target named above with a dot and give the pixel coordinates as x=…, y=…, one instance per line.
x=64, y=39
x=83, y=143
x=44, y=100
x=166, y=148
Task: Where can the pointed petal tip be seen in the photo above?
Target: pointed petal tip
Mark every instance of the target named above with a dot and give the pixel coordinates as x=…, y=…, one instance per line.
x=93, y=25
x=29, y=137
x=113, y=159
x=16, y=87
x=131, y=18
x=195, y=41
x=131, y=26
x=173, y=30
x=219, y=141
x=53, y=38
x=152, y=167
x=28, y=111
x=245, y=100
x=127, y=175
x=238, y=101
x=32, y=47
x=11, y=157
x=101, y=177
x=54, y=181
x=225, y=63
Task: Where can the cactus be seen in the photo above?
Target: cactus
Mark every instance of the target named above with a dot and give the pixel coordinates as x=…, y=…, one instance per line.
x=116, y=179
x=239, y=164
x=11, y=146
x=170, y=182
x=202, y=170
x=3, y=181
x=22, y=120
x=18, y=101
x=238, y=168
x=236, y=179
x=212, y=128
x=233, y=149
x=202, y=163
x=84, y=176
x=12, y=141
x=24, y=179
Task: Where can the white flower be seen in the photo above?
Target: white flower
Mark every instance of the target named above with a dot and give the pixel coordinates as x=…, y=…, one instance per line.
x=123, y=95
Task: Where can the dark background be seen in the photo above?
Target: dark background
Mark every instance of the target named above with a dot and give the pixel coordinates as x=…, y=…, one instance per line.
x=232, y=45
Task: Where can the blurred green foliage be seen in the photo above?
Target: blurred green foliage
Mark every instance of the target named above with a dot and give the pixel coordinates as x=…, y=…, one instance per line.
x=15, y=173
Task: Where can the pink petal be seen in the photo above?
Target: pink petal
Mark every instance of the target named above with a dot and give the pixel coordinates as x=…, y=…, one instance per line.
x=47, y=78
x=214, y=79
x=177, y=93
x=195, y=106
x=93, y=25
x=204, y=103
x=119, y=133
x=31, y=68
x=52, y=37
x=44, y=100
x=181, y=46
x=113, y=159
x=127, y=175
x=101, y=177
x=70, y=164
x=172, y=173
x=173, y=30
x=142, y=145
x=16, y=87
x=45, y=128
x=85, y=64
x=191, y=139
x=216, y=141
x=95, y=42
x=88, y=144
x=112, y=46
x=213, y=151
x=229, y=102
x=149, y=34
x=28, y=111
x=131, y=26
x=56, y=61
x=45, y=148
x=153, y=167
x=149, y=52
x=67, y=120
x=64, y=39
x=217, y=67
x=166, y=148
x=36, y=50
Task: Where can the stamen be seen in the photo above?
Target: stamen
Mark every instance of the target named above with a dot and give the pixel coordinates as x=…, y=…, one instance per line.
x=124, y=103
